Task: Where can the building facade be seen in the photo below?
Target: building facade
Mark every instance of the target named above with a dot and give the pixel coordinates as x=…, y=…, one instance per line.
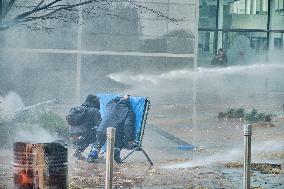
x=239, y=26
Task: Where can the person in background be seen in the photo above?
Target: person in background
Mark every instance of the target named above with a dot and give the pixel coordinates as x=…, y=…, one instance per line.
x=120, y=116
x=220, y=59
x=83, y=121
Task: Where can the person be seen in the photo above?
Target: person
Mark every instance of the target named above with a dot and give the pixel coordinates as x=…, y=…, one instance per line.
x=220, y=58
x=86, y=119
x=120, y=116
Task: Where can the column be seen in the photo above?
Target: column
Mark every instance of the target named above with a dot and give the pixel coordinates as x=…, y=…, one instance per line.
x=194, y=93
x=220, y=24
x=233, y=8
x=283, y=6
x=282, y=46
x=272, y=6
x=253, y=7
x=1, y=9
x=263, y=5
x=247, y=6
x=272, y=12
x=271, y=41
x=79, y=58
x=211, y=42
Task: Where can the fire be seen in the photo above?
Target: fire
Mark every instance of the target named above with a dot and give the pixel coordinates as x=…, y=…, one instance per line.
x=24, y=178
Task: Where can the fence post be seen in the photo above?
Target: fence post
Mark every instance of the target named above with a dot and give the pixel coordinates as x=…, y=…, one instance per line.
x=109, y=157
x=247, y=155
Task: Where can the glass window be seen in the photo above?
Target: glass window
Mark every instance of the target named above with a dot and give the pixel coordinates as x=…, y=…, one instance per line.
x=277, y=15
x=207, y=14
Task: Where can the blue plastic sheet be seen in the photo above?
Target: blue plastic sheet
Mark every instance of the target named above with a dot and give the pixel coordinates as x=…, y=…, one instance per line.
x=137, y=104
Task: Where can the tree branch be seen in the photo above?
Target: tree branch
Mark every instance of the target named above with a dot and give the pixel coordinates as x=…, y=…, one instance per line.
x=156, y=12
x=64, y=7
x=37, y=9
x=53, y=7
x=40, y=3
x=8, y=8
x=1, y=9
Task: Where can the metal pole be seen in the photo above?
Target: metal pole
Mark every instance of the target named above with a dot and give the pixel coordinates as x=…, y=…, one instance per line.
x=271, y=12
x=1, y=9
x=109, y=157
x=79, y=56
x=217, y=26
x=195, y=61
x=220, y=13
x=247, y=155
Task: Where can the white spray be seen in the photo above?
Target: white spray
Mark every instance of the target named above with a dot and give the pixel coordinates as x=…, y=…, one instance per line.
x=9, y=105
x=235, y=154
x=33, y=133
x=132, y=78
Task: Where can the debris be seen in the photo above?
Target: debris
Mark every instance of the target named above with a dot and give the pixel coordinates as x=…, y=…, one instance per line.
x=186, y=147
x=3, y=186
x=200, y=187
x=264, y=168
x=74, y=186
x=264, y=124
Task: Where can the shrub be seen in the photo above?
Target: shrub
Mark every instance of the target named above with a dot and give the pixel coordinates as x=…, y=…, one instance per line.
x=53, y=123
x=253, y=117
x=6, y=133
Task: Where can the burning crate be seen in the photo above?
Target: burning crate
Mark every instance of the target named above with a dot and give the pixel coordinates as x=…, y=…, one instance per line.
x=40, y=166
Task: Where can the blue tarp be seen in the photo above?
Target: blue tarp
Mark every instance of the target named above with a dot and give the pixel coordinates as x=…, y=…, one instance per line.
x=137, y=104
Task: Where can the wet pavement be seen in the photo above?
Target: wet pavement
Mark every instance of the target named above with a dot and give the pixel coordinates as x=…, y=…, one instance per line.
x=216, y=142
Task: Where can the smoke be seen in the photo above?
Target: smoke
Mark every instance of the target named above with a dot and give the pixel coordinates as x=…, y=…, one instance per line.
x=33, y=133
x=268, y=147
x=248, y=69
x=9, y=105
x=231, y=155
x=234, y=154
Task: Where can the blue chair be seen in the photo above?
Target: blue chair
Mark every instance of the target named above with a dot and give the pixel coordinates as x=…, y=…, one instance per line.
x=140, y=106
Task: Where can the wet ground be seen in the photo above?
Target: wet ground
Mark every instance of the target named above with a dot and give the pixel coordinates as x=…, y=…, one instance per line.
x=193, y=151
x=216, y=143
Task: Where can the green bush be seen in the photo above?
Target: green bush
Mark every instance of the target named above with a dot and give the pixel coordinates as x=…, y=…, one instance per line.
x=253, y=116
x=6, y=128
x=53, y=123
x=50, y=121
x=232, y=113
x=6, y=133
x=236, y=113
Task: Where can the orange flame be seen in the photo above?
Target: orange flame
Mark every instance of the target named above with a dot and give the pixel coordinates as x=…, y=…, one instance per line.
x=24, y=178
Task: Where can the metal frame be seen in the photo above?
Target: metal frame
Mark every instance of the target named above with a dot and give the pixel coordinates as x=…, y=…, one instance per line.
x=139, y=143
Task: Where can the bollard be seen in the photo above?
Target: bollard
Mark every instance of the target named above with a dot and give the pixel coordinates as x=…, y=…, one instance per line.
x=247, y=155
x=109, y=157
